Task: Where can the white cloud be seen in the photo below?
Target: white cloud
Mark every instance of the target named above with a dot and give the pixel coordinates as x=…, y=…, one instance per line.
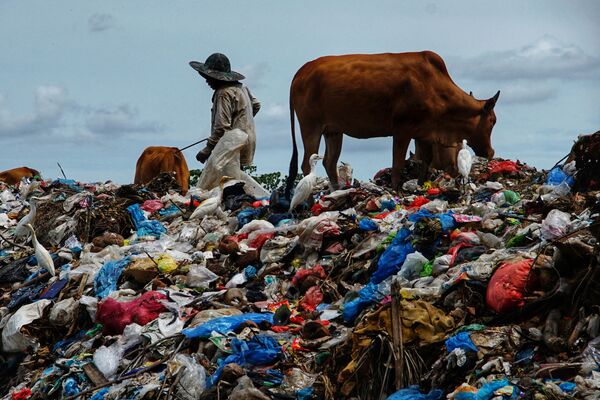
x=527, y=93
x=56, y=116
x=50, y=103
x=544, y=59
x=254, y=73
x=120, y=120
x=100, y=22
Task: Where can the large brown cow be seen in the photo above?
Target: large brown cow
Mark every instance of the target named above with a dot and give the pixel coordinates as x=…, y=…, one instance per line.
x=14, y=176
x=157, y=159
x=403, y=95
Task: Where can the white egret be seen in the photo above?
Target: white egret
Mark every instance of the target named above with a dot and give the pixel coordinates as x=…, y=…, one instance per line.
x=43, y=257
x=210, y=205
x=21, y=229
x=305, y=186
x=464, y=162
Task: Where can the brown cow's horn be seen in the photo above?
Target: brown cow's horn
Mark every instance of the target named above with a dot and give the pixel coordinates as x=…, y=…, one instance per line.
x=490, y=103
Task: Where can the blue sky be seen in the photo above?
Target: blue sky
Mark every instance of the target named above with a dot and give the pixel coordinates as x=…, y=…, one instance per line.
x=91, y=84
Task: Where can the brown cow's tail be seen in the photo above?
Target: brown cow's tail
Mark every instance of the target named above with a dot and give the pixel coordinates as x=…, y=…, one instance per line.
x=294, y=161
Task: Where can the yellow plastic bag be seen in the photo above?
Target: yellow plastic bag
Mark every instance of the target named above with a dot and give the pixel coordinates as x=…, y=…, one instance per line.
x=166, y=263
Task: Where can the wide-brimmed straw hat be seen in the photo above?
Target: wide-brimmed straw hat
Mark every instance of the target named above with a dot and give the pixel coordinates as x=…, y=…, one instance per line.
x=217, y=66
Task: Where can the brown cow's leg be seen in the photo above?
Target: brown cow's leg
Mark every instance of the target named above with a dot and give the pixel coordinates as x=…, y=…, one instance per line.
x=401, y=143
x=333, y=148
x=311, y=139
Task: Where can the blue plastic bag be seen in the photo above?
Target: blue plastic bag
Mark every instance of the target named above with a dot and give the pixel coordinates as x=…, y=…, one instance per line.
x=108, y=276
x=392, y=258
x=145, y=227
x=247, y=215
x=460, y=340
x=260, y=350
x=446, y=219
x=413, y=393
x=225, y=325
x=367, y=224
x=366, y=296
x=556, y=176
x=486, y=392
x=70, y=387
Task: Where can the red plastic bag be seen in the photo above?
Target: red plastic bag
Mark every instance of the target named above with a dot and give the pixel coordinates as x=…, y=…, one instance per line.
x=303, y=273
x=259, y=241
x=506, y=290
x=115, y=315
x=22, y=394
x=152, y=206
x=312, y=298
x=503, y=167
x=418, y=202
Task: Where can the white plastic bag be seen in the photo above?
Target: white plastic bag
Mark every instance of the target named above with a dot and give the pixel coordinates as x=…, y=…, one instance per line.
x=199, y=276
x=193, y=378
x=412, y=266
x=107, y=359
x=13, y=341
x=225, y=161
x=555, y=224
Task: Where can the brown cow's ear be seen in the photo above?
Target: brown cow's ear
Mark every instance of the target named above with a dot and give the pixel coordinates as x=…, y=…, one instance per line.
x=490, y=103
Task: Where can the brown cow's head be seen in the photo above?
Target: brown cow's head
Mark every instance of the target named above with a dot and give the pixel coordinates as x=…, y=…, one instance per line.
x=481, y=141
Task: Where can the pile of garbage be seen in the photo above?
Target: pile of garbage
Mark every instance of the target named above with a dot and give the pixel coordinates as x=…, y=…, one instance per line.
x=482, y=290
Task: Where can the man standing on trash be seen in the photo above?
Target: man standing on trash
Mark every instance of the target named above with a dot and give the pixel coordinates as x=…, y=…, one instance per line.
x=233, y=106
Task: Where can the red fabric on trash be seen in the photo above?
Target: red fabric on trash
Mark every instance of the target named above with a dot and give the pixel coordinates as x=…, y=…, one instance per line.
x=434, y=191
x=115, y=315
x=312, y=298
x=279, y=329
x=506, y=290
x=454, y=251
x=303, y=273
x=317, y=209
x=22, y=394
x=152, y=206
x=503, y=167
x=382, y=215
x=259, y=241
x=418, y=202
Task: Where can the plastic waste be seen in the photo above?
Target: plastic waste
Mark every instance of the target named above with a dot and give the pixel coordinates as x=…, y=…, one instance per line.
x=260, y=350
x=392, y=259
x=461, y=340
x=555, y=224
x=107, y=359
x=145, y=227
x=115, y=315
x=413, y=393
x=166, y=263
x=199, y=276
x=108, y=276
x=13, y=341
x=367, y=224
x=507, y=287
x=225, y=161
x=193, y=378
x=556, y=176
x=412, y=266
x=224, y=325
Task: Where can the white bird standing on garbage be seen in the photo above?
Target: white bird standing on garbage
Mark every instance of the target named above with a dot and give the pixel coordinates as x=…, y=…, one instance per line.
x=210, y=205
x=21, y=228
x=305, y=186
x=465, y=161
x=43, y=257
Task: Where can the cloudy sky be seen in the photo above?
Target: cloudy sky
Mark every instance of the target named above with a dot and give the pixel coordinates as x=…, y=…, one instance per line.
x=91, y=84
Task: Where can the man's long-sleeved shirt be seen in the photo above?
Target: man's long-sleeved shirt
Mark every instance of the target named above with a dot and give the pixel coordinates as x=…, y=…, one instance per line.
x=234, y=107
